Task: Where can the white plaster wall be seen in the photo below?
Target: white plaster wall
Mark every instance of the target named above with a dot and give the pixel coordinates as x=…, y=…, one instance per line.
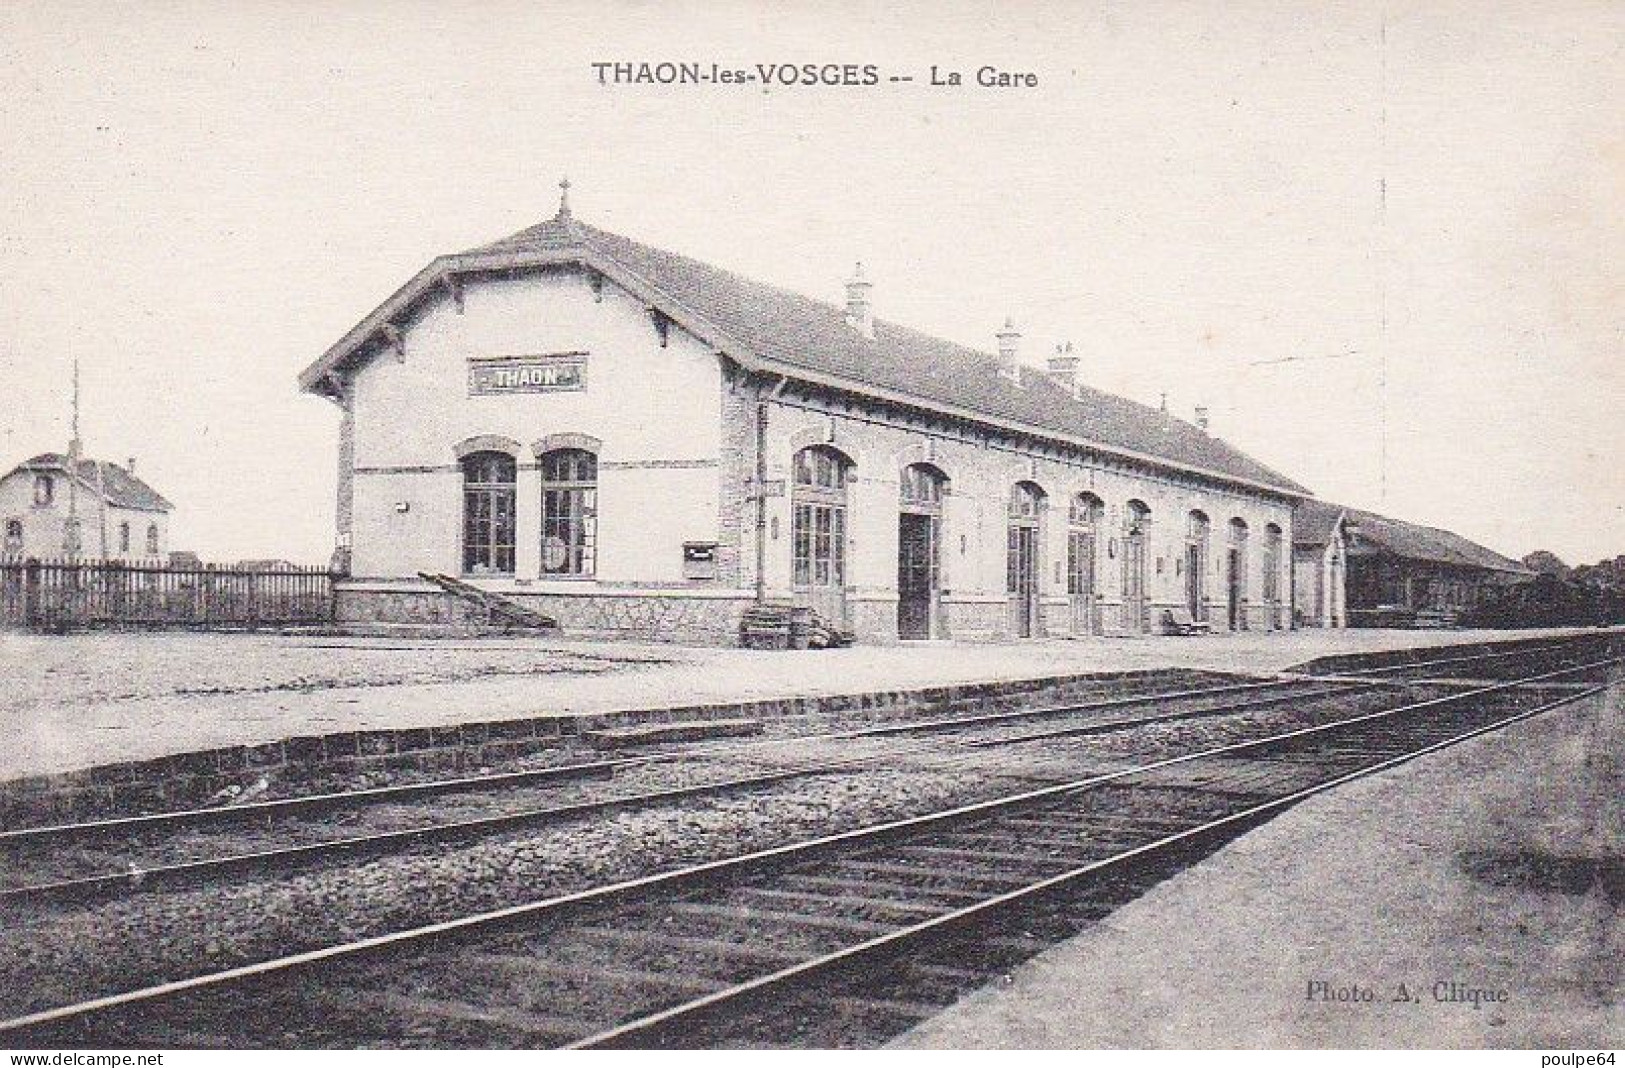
x=44, y=527
x=652, y=407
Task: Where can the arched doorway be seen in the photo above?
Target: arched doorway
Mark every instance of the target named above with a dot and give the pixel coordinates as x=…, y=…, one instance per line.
x=1236, y=576
x=919, y=550
x=1272, y=575
x=1197, y=533
x=818, y=531
x=1136, y=602
x=1027, y=502
x=1080, y=562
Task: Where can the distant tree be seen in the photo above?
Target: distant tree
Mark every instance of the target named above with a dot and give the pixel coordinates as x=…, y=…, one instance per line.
x=1591, y=594
x=1546, y=563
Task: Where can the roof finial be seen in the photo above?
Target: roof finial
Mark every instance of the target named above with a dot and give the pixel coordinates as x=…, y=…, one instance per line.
x=564, y=200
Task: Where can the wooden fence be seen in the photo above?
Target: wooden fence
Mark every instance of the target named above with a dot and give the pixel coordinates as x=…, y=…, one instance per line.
x=60, y=594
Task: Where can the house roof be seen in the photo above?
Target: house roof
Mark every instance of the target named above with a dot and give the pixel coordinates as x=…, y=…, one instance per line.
x=121, y=487
x=766, y=328
x=1411, y=541
x=1314, y=522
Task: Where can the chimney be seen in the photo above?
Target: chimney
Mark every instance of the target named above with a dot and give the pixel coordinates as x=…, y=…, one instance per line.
x=859, y=312
x=1009, y=342
x=129, y=465
x=1201, y=418
x=1063, y=368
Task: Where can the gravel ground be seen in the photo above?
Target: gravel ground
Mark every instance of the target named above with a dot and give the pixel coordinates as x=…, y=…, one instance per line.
x=50, y=957
x=47, y=956
x=146, y=848
x=1514, y=884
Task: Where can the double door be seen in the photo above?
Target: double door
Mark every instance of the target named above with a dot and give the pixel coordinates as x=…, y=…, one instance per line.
x=1022, y=580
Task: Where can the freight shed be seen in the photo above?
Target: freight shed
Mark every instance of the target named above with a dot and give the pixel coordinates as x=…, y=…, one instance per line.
x=1360, y=569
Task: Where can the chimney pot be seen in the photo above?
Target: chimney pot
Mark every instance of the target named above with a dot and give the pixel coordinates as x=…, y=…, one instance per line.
x=1201, y=417
x=859, y=311
x=1009, y=344
x=1063, y=367
x=129, y=465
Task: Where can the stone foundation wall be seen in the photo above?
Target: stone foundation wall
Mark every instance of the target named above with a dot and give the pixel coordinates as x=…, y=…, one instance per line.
x=675, y=616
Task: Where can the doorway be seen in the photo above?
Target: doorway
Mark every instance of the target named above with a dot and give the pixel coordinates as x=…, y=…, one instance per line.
x=917, y=553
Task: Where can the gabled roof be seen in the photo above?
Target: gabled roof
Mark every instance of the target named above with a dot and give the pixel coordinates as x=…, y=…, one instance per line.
x=120, y=487
x=1314, y=522
x=1412, y=541
x=763, y=327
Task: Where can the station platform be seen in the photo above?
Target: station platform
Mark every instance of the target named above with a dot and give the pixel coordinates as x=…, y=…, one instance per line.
x=1492, y=866
x=76, y=701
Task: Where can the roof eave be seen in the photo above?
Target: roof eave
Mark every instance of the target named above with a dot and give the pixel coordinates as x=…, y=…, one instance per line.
x=313, y=377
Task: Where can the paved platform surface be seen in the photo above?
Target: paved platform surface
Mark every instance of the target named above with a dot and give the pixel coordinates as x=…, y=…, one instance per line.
x=1496, y=864
x=75, y=701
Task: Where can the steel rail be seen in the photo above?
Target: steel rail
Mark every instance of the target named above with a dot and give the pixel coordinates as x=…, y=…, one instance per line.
x=146, y=879
x=607, y=768
x=599, y=768
x=760, y=859
x=1522, y=650
x=891, y=941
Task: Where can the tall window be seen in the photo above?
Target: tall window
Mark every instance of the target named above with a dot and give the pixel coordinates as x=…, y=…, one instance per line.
x=818, y=528
x=488, y=513
x=44, y=489
x=152, y=539
x=124, y=537
x=14, y=537
x=569, y=512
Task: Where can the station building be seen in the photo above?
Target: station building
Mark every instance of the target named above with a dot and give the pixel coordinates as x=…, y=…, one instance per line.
x=1360, y=569
x=641, y=444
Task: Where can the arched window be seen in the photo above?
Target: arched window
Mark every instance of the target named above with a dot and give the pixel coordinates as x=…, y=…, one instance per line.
x=922, y=486
x=1087, y=510
x=1136, y=518
x=152, y=539
x=818, y=530
x=488, y=513
x=124, y=537
x=569, y=512
x=14, y=537
x=1026, y=501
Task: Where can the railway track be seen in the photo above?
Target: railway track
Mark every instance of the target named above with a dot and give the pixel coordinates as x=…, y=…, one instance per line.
x=136, y=854
x=719, y=953
x=89, y=859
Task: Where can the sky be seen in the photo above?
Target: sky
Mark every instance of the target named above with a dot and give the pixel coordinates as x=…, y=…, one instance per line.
x=1380, y=241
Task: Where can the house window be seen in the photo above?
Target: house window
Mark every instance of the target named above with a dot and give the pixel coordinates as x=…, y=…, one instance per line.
x=152, y=539
x=569, y=512
x=44, y=489
x=14, y=537
x=124, y=537
x=488, y=513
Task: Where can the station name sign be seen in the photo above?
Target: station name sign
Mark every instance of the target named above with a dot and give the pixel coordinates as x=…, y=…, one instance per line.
x=553, y=373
